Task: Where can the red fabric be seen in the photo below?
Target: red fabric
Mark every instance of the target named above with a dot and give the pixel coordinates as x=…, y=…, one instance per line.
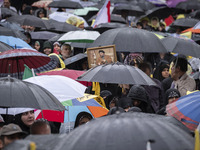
x=56, y=52
x=73, y=74
x=169, y=20
x=108, y=10
x=52, y=115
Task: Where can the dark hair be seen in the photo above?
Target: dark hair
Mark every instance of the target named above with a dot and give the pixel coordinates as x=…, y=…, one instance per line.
x=144, y=66
x=101, y=51
x=80, y=116
x=140, y=24
x=38, y=124
x=182, y=63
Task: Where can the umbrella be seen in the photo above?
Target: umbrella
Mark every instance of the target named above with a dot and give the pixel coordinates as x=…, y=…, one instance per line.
x=7, y=12
x=107, y=26
x=119, y=131
x=73, y=107
x=14, y=111
x=4, y=47
x=189, y=5
x=11, y=25
x=116, y=73
x=28, y=20
x=55, y=38
x=65, y=4
x=185, y=109
x=181, y=46
x=86, y=12
x=43, y=35
x=82, y=36
x=80, y=45
x=41, y=3
x=185, y=22
x=12, y=61
x=195, y=14
x=14, y=42
x=17, y=93
x=63, y=88
x=173, y=3
x=131, y=9
x=130, y=40
x=73, y=74
x=14, y=33
x=75, y=58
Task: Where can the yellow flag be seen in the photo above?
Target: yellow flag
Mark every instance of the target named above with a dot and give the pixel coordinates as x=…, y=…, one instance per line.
x=96, y=89
x=197, y=140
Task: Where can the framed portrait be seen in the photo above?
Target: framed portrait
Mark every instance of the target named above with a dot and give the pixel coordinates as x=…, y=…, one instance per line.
x=101, y=55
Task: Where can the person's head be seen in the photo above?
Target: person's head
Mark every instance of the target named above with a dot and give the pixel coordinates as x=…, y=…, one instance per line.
x=41, y=13
x=28, y=10
x=37, y=45
x=56, y=46
x=171, y=95
x=28, y=36
x=145, y=67
x=165, y=71
x=6, y=3
x=139, y=25
x=82, y=118
x=115, y=110
x=66, y=51
x=47, y=49
x=155, y=21
x=80, y=24
x=162, y=71
x=101, y=53
x=125, y=103
x=28, y=118
x=113, y=102
x=179, y=67
x=144, y=21
x=9, y=133
x=40, y=126
x=72, y=20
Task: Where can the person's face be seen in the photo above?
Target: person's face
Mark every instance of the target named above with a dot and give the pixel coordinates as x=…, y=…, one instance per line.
x=57, y=47
x=47, y=51
x=170, y=100
x=37, y=46
x=101, y=54
x=154, y=22
x=139, y=26
x=112, y=105
x=165, y=73
x=65, y=52
x=28, y=118
x=83, y=121
x=81, y=26
x=136, y=102
x=11, y=138
x=6, y=3
x=148, y=72
x=41, y=15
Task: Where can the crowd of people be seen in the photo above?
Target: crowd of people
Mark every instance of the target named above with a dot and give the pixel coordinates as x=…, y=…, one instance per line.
x=170, y=72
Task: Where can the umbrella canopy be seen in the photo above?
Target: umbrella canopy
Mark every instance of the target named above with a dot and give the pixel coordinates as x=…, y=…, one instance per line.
x=17, y=93
x=63, y=88
x=173, y=3
x=107, y=26
x=116, y=73
x=185, y=109
x=181, y=46
x=55, y=38
x=11, y=25
x=185, y=22
x=41, y=3
x=9, y=32
x=14, y=42
x=195, y=14
x=189, y=5
x=4, y=47
x=14, y=111
x=42, y=35
x=28, y=20
x=82, y=36
x=12, y=61
x=84, y=11
x=116, y=132
x=130, y=40
x=132, y=10
x=7, y=12
x=75, y=58
x=65, y=4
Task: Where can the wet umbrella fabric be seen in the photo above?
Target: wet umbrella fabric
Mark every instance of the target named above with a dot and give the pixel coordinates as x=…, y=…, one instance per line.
x=75, y=58
x=189, y=5
x=7, y=12
x=181, y=46
x=185, y=109
x=130, y=40
x=185, y=22
x=154, y=134
x=17, y=93
x=42, y=35
x=65, y=4
x=4, y=47
x=116, y=73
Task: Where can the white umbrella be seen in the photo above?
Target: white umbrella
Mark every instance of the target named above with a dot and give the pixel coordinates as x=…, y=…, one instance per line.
x=63, y=16
x=14, y=111
x=63, y=88
x=82, y=36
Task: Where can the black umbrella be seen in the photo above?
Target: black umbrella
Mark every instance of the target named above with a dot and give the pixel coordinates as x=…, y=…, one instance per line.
x=195, y=14
x=17, y=93
x=131, y=10
x=130, y=40
x=107, y=26
x=189, y=5
x=65, y=4
x=42, y=35
x=55, y=38
x=145, y=5
x=5, y=12
x=29, y=20
x=116, y=73
x=75, y=58
x=181, y=46
x=4, y=47
x=14, y=33
x=80, y=45
x=122, y=131
x=185, y=22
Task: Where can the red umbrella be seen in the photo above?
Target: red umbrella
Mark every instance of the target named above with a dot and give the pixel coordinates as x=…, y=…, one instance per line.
x=73, y=74
x=12, y=61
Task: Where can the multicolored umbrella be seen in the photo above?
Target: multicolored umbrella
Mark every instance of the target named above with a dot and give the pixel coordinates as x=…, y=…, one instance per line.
x=42, y=3
x=86, y=103
x=186, y=109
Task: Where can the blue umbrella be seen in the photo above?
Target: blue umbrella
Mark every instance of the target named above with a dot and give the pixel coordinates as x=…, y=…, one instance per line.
x=15, y=42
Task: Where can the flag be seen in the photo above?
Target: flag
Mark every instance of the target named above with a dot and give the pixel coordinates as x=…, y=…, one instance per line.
x=169, y=20
x=103, y=15
x=28, y=72
x=197, y=139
